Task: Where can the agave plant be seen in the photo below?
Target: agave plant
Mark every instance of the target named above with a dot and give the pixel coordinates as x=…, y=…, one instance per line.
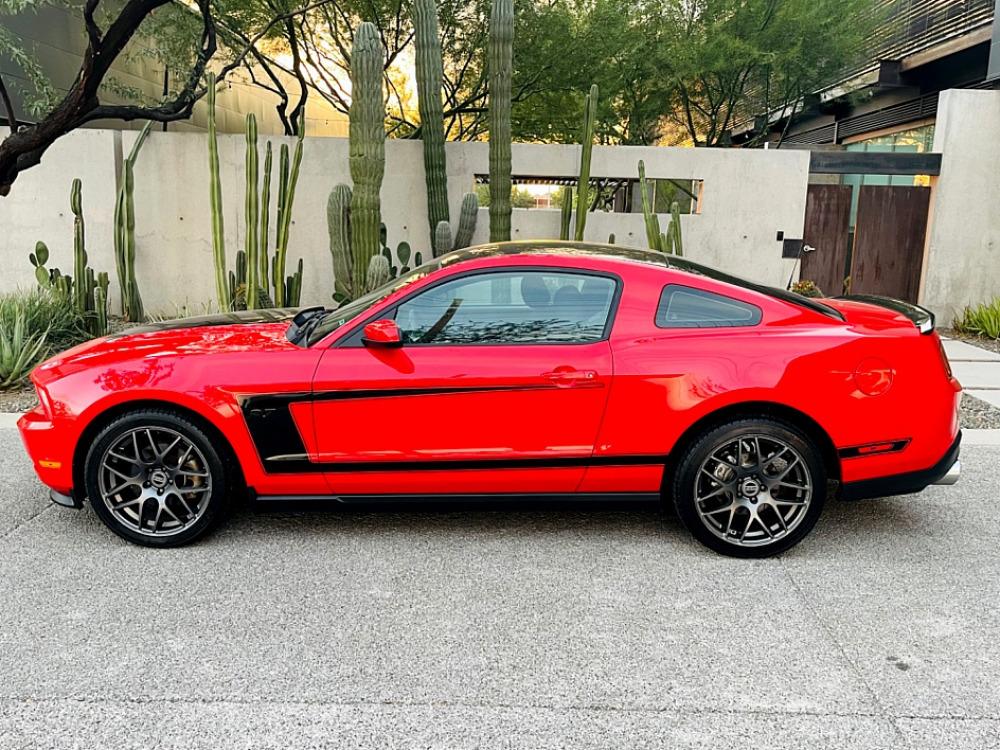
x=20, y=351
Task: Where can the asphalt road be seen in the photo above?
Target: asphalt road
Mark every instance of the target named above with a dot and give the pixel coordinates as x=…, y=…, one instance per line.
x=597, y=628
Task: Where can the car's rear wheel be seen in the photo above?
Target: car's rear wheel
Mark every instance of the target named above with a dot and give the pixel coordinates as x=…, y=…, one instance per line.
x=155, y=478
x=750, y=488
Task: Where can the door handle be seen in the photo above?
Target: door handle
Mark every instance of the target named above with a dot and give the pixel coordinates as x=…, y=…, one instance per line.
x=568, y=376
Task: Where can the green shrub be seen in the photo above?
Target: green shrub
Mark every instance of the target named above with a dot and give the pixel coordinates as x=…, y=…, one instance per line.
x=807, y=288
x=33, y=325
x=981, y=320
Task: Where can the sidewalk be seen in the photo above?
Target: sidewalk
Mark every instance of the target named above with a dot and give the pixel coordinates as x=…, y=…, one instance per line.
x=977, y=369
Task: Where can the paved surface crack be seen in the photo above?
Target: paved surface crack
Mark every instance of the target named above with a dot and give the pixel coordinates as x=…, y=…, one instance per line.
x=881, y=711
x=397, y=703
x=24, y=522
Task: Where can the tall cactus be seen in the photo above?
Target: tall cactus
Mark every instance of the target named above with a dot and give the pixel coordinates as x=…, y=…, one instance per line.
x=429, y=75
x=501, y=62
x=675, y=228
x=367, y=148
x=288, y=179
x=338, y=219
x=215, y=199
x=649, y=218
x=80, y=290
x=670, y=242
x=566, y=215
x=467, y=221
x=583, y=182
x=251, y=211
x=442, y=238
x=264, y=263
x=131, y=299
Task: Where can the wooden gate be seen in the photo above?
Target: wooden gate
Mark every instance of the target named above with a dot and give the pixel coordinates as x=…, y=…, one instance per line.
x=827, y=237
x=889, y=241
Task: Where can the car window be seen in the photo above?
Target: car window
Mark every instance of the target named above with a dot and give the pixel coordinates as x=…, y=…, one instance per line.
x=686, y=307
x=510, y=307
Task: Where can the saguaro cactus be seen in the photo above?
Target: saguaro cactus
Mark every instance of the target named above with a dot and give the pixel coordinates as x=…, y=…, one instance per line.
x=583, y=182
x=367, y=136
x=467, y=221
x=501, y=62
x=338, y=220
x=442, y=238
x=215, y=198
x=566, y=216
x=429, y=75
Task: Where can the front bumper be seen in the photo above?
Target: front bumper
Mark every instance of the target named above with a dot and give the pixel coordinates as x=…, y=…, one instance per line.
x=945, y=471
x=50, y=451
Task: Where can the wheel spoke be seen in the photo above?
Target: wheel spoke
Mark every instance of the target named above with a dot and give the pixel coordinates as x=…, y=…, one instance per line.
x=169, y=448
x=124, y=458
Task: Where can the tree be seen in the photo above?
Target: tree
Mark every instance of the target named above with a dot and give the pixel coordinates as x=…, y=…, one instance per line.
x=107, y=39
x=729, y=60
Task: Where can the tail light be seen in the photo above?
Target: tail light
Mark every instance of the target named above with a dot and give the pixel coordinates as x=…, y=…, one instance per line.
x=944, y=358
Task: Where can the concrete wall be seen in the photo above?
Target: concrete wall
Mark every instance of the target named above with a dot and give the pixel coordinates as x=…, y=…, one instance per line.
x=962, y=265
x=748, y=197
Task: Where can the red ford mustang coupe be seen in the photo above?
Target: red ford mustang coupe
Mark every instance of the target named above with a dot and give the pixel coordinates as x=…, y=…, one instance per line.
x=532, y=370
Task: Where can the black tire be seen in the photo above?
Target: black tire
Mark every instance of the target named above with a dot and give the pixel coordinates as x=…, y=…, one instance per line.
x=203, y=490
x=744, y=493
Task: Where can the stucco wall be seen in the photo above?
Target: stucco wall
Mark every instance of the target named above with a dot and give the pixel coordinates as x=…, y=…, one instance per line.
x=748, y=197
x=963, y=249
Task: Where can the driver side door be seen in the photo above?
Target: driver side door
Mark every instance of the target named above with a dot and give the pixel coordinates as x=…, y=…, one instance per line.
x=499, y=387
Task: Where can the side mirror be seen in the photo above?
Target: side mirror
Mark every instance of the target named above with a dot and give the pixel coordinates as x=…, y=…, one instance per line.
x=382, y=333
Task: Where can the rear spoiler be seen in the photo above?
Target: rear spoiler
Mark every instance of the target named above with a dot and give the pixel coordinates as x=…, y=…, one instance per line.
x=921, y=317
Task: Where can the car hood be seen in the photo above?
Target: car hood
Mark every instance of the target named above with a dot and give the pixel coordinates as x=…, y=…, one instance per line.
x=245, y=331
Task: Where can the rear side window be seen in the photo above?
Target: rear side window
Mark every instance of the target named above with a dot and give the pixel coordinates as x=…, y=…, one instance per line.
x=687, y=307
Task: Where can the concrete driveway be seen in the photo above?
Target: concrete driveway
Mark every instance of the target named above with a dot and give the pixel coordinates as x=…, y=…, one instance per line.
x=597, y=628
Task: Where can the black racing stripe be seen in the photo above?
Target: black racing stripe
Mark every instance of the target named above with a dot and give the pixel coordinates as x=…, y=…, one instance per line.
x=300, y=463
x=279, y=444
x=443, y=391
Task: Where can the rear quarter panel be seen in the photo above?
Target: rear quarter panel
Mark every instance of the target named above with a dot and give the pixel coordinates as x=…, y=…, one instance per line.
x=666, y=380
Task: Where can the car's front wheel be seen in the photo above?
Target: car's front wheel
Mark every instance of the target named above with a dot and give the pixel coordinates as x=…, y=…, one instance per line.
x=750, y=488
x=155, y=478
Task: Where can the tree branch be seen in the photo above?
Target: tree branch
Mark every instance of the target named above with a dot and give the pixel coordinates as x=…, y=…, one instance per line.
x=8, y=106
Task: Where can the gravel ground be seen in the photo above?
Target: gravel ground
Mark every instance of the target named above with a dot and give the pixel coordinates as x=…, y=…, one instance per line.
x=976, y=414
x=17, y=401
x=592, y=628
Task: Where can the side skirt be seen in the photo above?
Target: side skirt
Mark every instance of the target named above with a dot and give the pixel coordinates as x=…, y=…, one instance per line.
x=561, y=497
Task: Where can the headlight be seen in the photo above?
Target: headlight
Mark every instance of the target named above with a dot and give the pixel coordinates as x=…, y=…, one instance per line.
x=45, y=400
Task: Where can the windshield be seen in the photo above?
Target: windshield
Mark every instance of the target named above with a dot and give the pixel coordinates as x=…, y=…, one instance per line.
x=334, y=319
